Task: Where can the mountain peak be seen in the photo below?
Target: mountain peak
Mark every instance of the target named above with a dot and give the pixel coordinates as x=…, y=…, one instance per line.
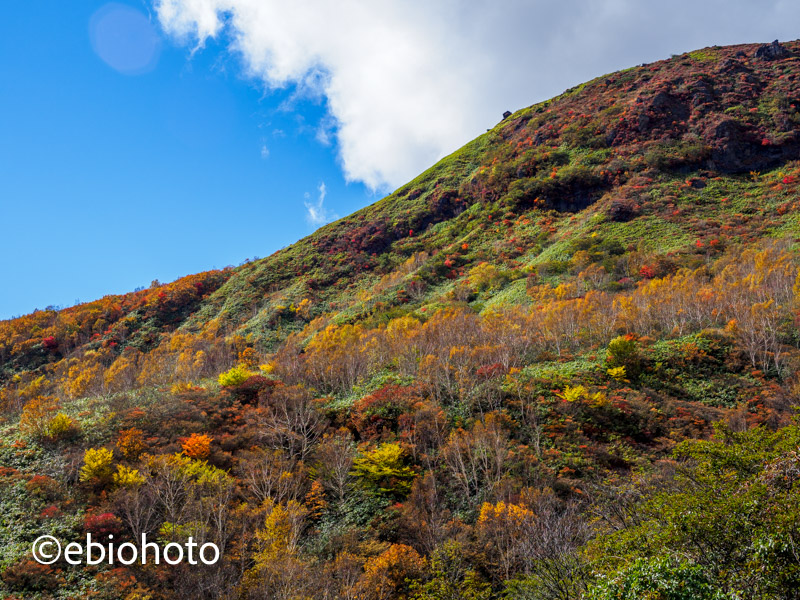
x=611, y=145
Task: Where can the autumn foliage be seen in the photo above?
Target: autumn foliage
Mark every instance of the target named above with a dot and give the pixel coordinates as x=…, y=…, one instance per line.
x=197, y=446
x=561, y=364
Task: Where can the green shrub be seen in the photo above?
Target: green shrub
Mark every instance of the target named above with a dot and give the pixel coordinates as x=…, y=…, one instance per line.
x=663, y=579
x=676, y=153
x=623, y=351
x=451, y=577
x=235, y=376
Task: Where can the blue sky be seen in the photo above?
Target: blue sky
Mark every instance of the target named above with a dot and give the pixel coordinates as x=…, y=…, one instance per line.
x=110, y=180
x=150, y=139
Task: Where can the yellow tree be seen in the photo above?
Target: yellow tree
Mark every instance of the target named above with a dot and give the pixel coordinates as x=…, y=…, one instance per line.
x=37, y=415
x=502, y=529
x=279, y=572
x=121, y=375
x=390, y=573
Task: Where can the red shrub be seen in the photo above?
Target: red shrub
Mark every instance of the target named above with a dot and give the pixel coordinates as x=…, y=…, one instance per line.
x=647, y=272
x=379, y=413
x=102, y=525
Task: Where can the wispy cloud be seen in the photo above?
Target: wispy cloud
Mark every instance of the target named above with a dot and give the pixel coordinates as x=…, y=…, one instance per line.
x=264, y=151
x=316, y=213
x=326, y=131
x=408, y=81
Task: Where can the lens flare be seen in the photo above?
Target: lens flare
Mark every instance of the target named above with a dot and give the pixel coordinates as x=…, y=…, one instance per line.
x=124, y=39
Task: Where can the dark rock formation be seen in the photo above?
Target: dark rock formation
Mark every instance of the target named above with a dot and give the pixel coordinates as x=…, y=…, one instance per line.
x=772, y=51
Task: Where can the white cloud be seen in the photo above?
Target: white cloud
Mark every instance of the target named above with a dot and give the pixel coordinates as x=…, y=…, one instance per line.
x=316, y=214
x=408, y=81
x=264, y=151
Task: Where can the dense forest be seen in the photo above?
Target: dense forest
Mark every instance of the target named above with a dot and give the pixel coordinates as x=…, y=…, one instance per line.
x=563, y=363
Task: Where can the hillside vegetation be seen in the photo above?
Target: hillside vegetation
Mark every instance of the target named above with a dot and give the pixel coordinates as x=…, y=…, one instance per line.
x=562, y=363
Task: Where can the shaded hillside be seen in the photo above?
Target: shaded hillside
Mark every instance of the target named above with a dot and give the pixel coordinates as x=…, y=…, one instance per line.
x=500, y=381
x=135, y=319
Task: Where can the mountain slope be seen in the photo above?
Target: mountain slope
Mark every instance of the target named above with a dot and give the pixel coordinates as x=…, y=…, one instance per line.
x=498, y=380
x=723, y=111
x=717, y=111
